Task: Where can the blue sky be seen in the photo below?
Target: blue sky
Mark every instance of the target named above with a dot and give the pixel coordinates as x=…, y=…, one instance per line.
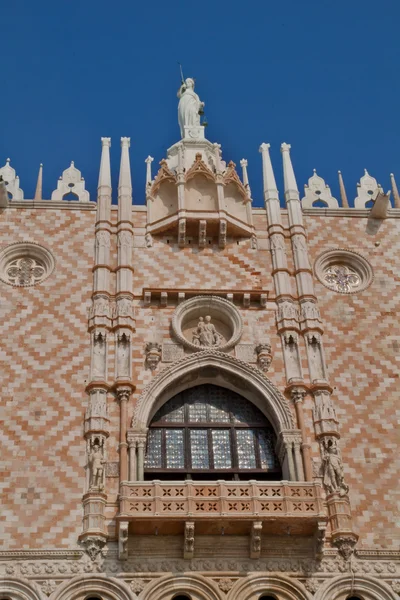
x=320, y=75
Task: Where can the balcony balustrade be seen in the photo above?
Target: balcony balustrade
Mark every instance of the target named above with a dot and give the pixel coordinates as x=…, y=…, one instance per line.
x=241, y=500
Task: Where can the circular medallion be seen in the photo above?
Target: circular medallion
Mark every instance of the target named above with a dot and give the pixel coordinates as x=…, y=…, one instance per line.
x=343, y=271
x=207, y=322
x=24, y=264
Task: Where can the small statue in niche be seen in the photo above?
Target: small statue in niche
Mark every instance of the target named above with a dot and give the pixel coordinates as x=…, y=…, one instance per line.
x=96, y=467
x=205, y=333
x=332, y=468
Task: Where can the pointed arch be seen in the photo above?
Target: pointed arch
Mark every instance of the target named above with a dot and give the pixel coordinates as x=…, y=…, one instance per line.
x=218, y=368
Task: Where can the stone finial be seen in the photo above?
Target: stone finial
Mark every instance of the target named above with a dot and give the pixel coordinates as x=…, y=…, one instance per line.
x=125, y=182
x=71, y=181
x=125, y=167
x=343, y=195
x=39, y=185
x=105, y=169
x=148, y=162
x=395, y=191
x=270, y=188
x=11, y=181
x=288, y=172
x=243, y=164
x=368, y=189
x=318, y=190
x=3, y=194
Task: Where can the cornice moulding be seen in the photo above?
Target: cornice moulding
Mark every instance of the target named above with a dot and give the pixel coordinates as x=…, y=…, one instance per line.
x=52, y=204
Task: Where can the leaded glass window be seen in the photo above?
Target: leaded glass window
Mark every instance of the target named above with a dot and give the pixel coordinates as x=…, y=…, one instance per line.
x=208, y=430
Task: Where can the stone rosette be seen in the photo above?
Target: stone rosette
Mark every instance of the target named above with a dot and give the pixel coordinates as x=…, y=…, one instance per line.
x=223, y=313
x=42, y=258
x=346, y=259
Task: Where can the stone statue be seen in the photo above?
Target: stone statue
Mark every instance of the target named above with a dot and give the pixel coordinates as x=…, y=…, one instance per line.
x=189, y=106
x=96, y=468
x=332, y=468
x=205, y=333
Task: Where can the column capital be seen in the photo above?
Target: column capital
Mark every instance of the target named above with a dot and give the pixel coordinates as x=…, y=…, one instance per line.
x=134, y=437
x=124, y=391
x=298, y=394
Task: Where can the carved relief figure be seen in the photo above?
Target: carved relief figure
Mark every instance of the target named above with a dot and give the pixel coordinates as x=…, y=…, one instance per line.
x=96, y=467
x=332, y=468
x=205, y=334
x=189, y=106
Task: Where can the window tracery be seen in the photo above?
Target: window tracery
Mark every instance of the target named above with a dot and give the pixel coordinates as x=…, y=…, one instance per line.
x=210, y=430
x=343, y=271
x=25, y=264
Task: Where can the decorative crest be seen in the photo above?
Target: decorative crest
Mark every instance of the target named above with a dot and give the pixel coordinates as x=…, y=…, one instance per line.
x=318, y=190
x=199, y=167
x=164, y=174
x=231, y=176
x=368, y=189
x=11, y=181
x=71, y=181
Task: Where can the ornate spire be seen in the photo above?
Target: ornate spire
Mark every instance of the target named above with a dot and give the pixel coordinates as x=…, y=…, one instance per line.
x=125, y=182
x=39, y=185
x=395, y=191
x=105, y=169
x=243, y=164
x=104, y=186
x=270, y=189
x=289, y=179
x=148, y=162
x=3, y=193
x=343, y=195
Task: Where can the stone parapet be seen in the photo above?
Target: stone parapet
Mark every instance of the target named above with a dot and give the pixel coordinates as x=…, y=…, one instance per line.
x=218, y=499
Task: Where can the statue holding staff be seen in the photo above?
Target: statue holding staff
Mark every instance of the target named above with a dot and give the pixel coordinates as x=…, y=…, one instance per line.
x=190, y=106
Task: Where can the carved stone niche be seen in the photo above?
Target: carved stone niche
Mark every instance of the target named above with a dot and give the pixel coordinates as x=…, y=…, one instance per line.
x=207, y=322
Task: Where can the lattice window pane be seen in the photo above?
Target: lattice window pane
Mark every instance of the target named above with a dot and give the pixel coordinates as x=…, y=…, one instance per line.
x=197, y=404
x=175, y=457
x=221, y=442
x=219, y=412
x=266, y=442
x=245, y=448
x=245, y=412
x=199, y=449
x=171, y=412
x=153, y=454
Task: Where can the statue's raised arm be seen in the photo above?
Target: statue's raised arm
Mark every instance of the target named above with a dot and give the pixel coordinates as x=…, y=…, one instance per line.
x=189, y=106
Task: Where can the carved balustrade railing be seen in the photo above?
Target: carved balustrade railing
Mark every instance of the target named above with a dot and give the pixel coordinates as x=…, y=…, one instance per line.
x=242, y=500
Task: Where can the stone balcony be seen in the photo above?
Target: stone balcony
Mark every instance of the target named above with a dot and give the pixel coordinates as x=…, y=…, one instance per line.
x=285, y=502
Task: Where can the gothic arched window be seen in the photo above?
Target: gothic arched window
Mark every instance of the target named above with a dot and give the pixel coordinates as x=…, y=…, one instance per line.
x=210, y=432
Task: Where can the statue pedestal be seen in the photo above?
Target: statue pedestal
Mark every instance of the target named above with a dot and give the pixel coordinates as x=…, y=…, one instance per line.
x=194, y=133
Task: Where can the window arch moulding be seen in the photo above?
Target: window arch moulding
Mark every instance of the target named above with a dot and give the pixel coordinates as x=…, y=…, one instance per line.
x=220, y=369
x=367, y=588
